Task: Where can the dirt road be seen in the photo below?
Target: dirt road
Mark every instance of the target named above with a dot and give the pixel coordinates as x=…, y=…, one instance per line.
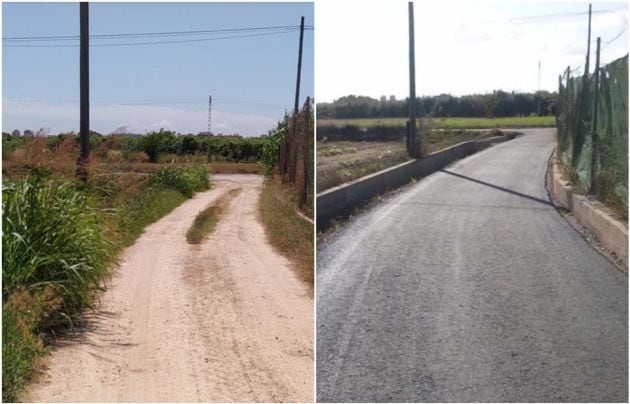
x=226, y=320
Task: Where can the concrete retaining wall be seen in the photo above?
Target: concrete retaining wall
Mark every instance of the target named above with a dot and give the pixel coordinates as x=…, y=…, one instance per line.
x=341, y=201
x=610, y=232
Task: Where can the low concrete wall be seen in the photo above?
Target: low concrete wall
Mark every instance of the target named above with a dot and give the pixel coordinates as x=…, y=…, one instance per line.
x=341, y=201
x=610, y=232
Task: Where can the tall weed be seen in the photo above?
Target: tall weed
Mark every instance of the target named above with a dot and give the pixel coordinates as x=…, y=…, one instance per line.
x=52, y=237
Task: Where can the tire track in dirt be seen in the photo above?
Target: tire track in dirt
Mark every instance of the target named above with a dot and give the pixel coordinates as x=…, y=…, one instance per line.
x=225, y=320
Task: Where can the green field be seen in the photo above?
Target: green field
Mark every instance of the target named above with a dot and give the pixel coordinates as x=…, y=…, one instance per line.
x=450, y=123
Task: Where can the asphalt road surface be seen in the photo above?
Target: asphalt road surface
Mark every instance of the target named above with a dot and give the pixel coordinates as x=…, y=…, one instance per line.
x=469, y=286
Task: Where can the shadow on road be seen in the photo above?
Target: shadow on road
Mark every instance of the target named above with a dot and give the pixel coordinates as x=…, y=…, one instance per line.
x=499, y=188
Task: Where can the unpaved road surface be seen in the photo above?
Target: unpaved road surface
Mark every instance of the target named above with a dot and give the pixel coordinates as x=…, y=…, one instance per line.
x=226, y=320
x=469, y=286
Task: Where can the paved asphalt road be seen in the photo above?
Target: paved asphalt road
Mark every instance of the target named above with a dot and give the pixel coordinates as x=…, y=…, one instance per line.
x=469, y=286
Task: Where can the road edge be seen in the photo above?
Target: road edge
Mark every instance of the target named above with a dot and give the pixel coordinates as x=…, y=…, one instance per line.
x=338, y=203
x=603, y=232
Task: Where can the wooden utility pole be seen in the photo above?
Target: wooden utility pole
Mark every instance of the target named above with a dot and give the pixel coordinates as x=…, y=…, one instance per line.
x=290, y=152
x=84, y=60
x=413, y=142
x=299, y=69
x=594, y=135
x=588, y=44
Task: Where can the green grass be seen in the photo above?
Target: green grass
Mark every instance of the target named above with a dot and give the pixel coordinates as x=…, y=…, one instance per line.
x=59, y=240
x=150, y=206
x=54, y=257
x=206, y=221
x=204, y=224
x=51, y=236
x=450, y=123
x=186, y=180
x=290, y=234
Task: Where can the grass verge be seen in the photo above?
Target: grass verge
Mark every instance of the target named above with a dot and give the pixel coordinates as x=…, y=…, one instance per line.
x=289, y=233
x=206, y=221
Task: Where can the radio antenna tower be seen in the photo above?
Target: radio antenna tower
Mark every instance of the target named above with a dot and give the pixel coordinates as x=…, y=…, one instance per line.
x=538, y=89
x=209, y=114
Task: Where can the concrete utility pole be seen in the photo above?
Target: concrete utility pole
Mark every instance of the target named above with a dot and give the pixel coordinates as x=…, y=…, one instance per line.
x=84, y=61
x=299, y=69
x=588, y=44
x=413, y=142
x=537, y=91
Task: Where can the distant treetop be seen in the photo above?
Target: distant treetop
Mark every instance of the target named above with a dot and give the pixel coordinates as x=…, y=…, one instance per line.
x=496, y=104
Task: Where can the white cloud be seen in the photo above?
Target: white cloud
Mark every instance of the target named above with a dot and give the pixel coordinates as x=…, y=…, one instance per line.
x=461, y=47
x=137, y=118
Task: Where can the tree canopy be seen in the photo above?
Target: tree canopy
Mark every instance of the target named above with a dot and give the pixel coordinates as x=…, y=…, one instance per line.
x=496, y=104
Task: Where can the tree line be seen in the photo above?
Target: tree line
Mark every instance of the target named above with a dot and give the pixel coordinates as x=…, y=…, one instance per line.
x=154, y=144
x=496, y=104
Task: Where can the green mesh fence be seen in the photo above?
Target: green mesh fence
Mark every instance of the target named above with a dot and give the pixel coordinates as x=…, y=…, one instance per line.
x=593, y=131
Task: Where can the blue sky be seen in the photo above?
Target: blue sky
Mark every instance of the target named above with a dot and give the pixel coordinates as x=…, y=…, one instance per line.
x=252, y=79
x=462, y=47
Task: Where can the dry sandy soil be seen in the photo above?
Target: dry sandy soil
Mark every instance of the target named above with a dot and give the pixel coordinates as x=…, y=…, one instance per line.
x=344, y=161
x=225, y=320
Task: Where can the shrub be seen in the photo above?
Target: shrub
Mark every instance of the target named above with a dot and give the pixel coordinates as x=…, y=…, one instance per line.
x=186, y=180
x=271, y=147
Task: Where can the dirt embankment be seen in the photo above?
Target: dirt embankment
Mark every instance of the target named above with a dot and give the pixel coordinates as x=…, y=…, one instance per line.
x=225, y=320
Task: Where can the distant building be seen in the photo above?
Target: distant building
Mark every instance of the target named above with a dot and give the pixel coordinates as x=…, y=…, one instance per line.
x=205, y=133
x=233, y=136
x=15, y=133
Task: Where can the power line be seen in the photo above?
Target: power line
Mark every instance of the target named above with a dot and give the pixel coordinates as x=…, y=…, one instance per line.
x=533, y=18
x=560, y=15
x=615, y=37
x=219, y=100
x=150, y=34
x=155, y=42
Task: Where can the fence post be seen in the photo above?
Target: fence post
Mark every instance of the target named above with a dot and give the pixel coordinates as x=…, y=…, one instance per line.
x=594, y=135
x=306, y=151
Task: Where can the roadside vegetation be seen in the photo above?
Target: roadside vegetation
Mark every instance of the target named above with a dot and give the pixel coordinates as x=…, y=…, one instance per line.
x=61, y=238
x=136, y=153
x=288, y=223
x=242, y=168
x=341, y=161
x=287, y=231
